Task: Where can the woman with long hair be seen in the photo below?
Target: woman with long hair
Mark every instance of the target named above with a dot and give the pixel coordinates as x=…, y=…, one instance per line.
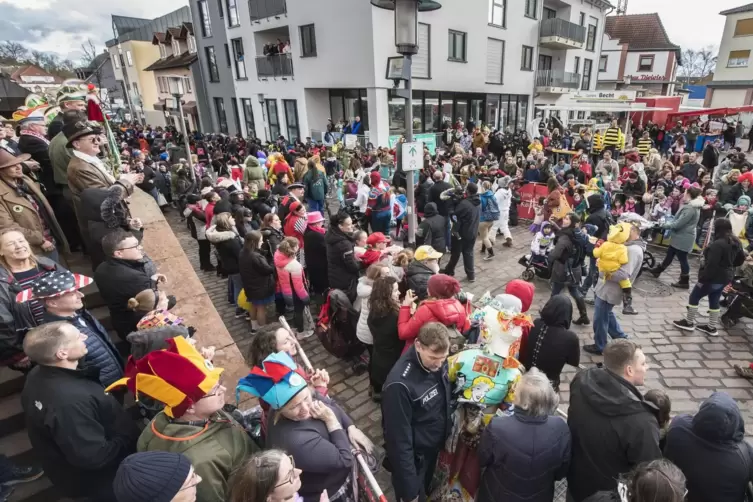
x=224, y=236
x=567, y=259
x=267, y=476
x=316, y=186
x=384, y=307
x=554, y=199
x=258, y=279
x=291, y=282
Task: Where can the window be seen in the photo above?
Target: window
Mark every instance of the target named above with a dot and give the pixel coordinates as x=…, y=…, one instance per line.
x=227, y=55
x=162, y=51
x=248, y=115
x=160, y=86
x=219, y=5
x=532, y=6
x=176, y=48
x=135, y=90
x=129, y=58
x=116, y=62
x=738, y=59
x=187, y=84
x=273, y=118
x=603, y=63
x=576, y=67
x=545, y=62
x=457, y=46
x=206, y=22
x=591, y=35
x=495, y=61
x=308, y=41
x=219, y=107
x=214, y=73
x=582, y=20
x=422, y=60
x=526, y=62
x=191, y=44
x=549, y=13
x=232, y=13
x=744, y=27
x=645, y=63
x=497, y=11
x=291, y=119
x=586, y=82
x=236, y=115
x=238, y=57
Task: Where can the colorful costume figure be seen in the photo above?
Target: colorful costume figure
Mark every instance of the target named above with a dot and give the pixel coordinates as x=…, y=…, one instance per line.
x=738, y=216
x=484, y=377
x=276, y=167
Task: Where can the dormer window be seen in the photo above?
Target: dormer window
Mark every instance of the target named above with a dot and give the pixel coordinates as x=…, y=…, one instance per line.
x=162, y=51
x=191, y=44
x=176, y=48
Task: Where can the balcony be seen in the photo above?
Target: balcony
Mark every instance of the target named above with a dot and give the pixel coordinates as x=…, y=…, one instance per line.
x=556, y=82
x=263, y=9
x=560, y=34
x=275, y=66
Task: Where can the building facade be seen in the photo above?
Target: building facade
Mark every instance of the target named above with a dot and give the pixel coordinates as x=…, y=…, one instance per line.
x=35, y=79
x=100, y=72
x=733, y=78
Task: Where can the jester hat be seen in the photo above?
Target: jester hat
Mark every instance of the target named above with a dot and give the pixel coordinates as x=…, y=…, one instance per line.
x=276, y=382
x=25, y=115
x=177, y=376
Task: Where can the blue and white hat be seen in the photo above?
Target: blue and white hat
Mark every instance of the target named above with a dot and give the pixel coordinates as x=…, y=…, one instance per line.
x=276, y=382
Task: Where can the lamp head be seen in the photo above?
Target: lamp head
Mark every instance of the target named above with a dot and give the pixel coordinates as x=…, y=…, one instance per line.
x=423, y=5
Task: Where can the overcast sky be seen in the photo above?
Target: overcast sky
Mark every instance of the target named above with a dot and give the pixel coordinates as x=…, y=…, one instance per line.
x=62, y=25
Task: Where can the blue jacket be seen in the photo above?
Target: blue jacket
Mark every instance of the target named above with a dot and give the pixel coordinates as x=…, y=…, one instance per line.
x=489, y=206
x=102, y=353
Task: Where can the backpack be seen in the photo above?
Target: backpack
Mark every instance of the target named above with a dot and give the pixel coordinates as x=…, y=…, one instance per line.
x=491, y=209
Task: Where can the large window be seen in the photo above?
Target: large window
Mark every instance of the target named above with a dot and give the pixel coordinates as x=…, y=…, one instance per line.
x=645, y=63
x=744, y=27
x=214, y=72
x=222, y=9
x=227, y=56
x=532, y=8
x=495, y=58
x=348, y=104
x=248, y=115
x=396, y=113
x=232, y=13
x=239, y=58
x=526, y=62
x=219, y=108
x=549, y=13
x=116, y=61
x=587, y=67
x=308, y=41
x=738, y=59
x=422, y=60
x=603, y=60
x=497, y=12
x=273, y=118
x=236, y=115
x=591, y=35
x=206, y=22
x=291, y=119
x=457, y=49
x=129, y=58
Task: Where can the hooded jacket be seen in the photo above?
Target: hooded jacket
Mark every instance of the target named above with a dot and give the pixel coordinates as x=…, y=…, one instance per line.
x=315, y=250
x=468, y=213
x=253, y=172
x=719, y=261
x=683, y=227
x=711, y=451
x=119, y=280
x=447, y=311
x=613, y=429
x=489, y=207
x=433, y=229
x=257, y=275
x=418, y=275
x=272, y=239
x=228, y=244
x=551, y=344
x=214, y=450
x=598, y=216
x=290, y=278
x=342, y=267
x=609, y=289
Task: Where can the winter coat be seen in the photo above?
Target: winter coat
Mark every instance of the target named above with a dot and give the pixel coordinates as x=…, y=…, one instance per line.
x=342, y=267
x=468, y=214
x=609, y=290
x=489, y=207
x=103, y=214
x=387, y=345
x=433, y=229
x=521, y=457
x=214, y=450
x=567, y=256
x=598, y=216
x=272, y=239
x=613, y=429
x=253, y=172
x=728, y=193
x=551, y=344
x=418, y=275
x=683, y=227
x=435, y=192
x=290, y=279
x=711, y=451
x=448, y=311
x=228, y=244
x=315, y=250
x=80, y=434
x=719, y=261
x=364, y=292
x=101, y=352
x=120, y=280
x=257, y=275
x=39, y=149
x=316, y=188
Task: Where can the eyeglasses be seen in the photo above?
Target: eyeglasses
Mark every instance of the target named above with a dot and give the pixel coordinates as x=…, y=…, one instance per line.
x=291, y=476
x=137, y=246
x=216, y=389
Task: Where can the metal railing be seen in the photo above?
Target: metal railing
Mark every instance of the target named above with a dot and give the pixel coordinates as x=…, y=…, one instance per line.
x=276, y=65
x=556, y=78
x=564, y=29
x=262, y=9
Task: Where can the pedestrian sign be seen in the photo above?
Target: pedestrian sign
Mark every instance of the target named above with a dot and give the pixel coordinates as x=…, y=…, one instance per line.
x=413, y=156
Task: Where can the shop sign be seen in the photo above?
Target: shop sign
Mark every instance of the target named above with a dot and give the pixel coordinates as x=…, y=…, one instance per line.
x=428, y=139
x=650, y=78
x=605, y=96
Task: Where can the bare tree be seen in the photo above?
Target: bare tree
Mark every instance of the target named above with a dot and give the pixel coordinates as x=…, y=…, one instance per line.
x=698, y=63
x=13, y=51
x=706, y=61
x=90, y=52
x=37, y=58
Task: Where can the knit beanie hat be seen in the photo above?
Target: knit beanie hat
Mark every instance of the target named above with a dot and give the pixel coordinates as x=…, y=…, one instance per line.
x=154, y=476
x=443, y=286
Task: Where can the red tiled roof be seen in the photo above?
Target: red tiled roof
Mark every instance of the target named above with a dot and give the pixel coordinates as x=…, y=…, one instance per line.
x=639, y=31
x=32, y=71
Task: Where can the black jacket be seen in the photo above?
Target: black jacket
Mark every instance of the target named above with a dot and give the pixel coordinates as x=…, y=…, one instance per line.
x=523, y=456
x=120, y=280
x=613, y=430
x=422, y=194
x=40, y=152
x=433, y=229
x=417, y=419
x=272, y=240
x=228, y=245
x=710, y=157
x=443, y=206
x=636, y=188
x=715, y=434
x=567, y=256
x=315, y=250
x=598, y=216
x=342, y=267
x=387, y=346
x=550, y=343
x=418, y=275
x=80, y=433
x=257, y=275
x=468, y=214
x=55, y=126
x=719, y=261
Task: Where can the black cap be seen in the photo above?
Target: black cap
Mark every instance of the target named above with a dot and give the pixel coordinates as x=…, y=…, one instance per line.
x=471, y=188
x=156, y=476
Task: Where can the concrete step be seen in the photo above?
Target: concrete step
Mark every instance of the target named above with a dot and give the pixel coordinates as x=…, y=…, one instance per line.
x=15, y=444
x=11, y=382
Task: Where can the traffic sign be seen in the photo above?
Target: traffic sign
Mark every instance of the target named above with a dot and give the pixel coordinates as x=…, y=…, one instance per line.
x=413, y=156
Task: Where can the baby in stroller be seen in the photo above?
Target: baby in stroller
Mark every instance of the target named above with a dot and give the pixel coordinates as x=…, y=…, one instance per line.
x=537, y=262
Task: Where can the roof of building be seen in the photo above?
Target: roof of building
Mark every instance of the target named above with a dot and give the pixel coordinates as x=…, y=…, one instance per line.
x=33, y=71
x=738, y=10
x=640, y=31
x=145, y=32
x=175, y=32
x=159, y=38
x=181, y=61
x=124, y=24
x=10, y=89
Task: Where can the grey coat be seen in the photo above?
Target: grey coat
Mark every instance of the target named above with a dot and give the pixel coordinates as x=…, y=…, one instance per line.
x=609, y=290
x=683, y=227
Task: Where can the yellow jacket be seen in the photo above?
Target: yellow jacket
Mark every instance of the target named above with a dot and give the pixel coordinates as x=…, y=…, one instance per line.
x=598, y=143
x=610, y=257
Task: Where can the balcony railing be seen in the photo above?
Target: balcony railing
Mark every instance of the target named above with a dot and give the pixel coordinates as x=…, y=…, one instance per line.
x=262, y=9
x=555, y=78
x=277, y=65
x=564, y=29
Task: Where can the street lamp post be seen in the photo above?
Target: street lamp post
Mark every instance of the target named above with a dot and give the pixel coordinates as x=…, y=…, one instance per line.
x=406, y=42
x=175, y=84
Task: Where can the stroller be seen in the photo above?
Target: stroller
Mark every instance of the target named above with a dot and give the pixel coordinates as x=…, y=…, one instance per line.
x=737, y=298
x=336, y=329
x=536, y=266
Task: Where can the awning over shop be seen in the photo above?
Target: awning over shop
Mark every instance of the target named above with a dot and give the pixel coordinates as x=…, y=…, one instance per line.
x=716, y=112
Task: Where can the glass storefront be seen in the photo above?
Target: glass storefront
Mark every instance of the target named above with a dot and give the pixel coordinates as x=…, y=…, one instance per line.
x=348, y=104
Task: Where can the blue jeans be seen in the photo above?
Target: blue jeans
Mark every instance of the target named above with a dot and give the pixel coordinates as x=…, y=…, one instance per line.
x=234, y=287
x=605, y=323
x=380, y=222
x=315, y=205
x=682, y=257
x=592, y=276
x=713, y=291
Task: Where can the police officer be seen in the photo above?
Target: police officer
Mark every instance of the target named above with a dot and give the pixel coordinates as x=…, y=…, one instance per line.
x=416, y=412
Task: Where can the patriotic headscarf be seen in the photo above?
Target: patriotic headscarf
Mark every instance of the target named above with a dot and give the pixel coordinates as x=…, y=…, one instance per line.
x=276, y=382
x=53, y=284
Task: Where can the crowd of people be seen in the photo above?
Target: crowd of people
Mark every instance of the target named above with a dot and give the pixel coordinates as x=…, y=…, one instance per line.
x=265, y=216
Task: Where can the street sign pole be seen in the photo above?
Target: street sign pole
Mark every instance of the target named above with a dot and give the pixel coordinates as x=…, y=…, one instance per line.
x=409, y=139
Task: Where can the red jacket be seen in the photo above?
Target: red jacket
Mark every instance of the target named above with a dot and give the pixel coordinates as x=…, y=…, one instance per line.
x=448, y=312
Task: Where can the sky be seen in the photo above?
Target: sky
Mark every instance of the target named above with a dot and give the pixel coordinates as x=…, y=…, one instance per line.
x=61, y=26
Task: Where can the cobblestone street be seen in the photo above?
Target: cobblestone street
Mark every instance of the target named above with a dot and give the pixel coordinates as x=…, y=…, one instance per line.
x=689, y=366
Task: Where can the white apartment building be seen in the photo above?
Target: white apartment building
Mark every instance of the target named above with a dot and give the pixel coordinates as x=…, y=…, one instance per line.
x=477, y=61
x=733, y=78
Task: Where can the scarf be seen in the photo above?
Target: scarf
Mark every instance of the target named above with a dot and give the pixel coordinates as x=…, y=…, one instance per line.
x=318, y=229
x=27, y=132
x=96, y=162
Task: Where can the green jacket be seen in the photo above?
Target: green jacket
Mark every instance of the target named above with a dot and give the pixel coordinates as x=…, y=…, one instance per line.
x=214, y=453
x=60, y=156
x=252, y=171
x=316, y=189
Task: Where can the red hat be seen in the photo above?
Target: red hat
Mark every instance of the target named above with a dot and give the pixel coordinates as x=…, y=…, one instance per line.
x=375, y=178
x=376, y=238
x=443, y=286
x=746, y=177
x=634, y=156
x=54, y=284
x=295, y=206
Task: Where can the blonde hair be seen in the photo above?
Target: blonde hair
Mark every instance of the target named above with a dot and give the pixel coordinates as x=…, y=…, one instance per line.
x=6, y=231
x=222, y=222
x=42, y=343
x=287, y=246
x=403, y=258
x=144, y=301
